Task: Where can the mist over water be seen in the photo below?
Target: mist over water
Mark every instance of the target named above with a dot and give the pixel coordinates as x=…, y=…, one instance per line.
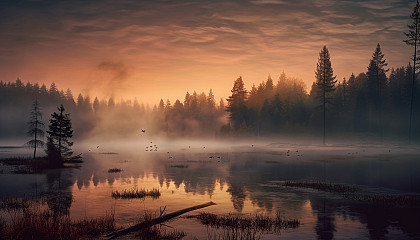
x=240, y=177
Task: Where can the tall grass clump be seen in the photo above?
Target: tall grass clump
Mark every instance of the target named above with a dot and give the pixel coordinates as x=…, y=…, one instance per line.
x=328, y=187
x=35, y=224
x=353, y=193
x=261, y=222
x=157, y=232
x=136, y=193
x=248, y=227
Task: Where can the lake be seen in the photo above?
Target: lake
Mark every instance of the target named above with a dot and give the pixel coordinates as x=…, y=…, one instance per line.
x=241, y=178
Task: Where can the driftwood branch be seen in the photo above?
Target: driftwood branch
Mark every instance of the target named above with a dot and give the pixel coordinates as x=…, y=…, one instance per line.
x=149, y=223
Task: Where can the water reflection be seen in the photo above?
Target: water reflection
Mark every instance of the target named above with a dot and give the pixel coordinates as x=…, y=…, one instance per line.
x=243, y=182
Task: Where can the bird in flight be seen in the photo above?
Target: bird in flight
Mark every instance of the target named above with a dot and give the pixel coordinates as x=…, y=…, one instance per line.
x=143, y=131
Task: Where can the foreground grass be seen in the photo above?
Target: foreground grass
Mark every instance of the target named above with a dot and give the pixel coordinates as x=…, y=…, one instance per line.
x=136, y=193
x=35, y=224
x=249, y=227
x=157, y=232
x=14, y=204
x=258, y=222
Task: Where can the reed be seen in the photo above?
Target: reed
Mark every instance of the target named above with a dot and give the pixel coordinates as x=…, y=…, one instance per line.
x=14, y=203
x=35, y=224
x=114, y=170
x=258, y=222
x=157, y=232
x=179, y=166
x=328, y=187
x=353, y=193
x=136, y=193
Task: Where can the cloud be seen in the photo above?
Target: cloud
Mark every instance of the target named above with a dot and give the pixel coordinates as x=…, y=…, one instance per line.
x=183, y=40
x=110, y=77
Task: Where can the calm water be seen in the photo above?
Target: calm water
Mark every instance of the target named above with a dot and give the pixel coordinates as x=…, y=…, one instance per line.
x=245, y=179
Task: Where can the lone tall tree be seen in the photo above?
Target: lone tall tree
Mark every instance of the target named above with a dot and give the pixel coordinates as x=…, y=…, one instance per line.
x=325, y=82
x=236, y=103
x=60, y=132
x=376, y=84
x=413, y=40
x=36, y=127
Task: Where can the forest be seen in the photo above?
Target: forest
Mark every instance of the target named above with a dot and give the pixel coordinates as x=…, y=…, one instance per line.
x=373, y=104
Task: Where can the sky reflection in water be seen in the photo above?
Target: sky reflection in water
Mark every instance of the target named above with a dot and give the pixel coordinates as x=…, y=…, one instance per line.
x=244, y=179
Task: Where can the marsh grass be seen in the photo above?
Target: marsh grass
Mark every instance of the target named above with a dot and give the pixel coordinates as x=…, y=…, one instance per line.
x=156, y=232
x=36, y=224
x=114, y=170
x=259, y=222
x=385, y=199
x=328, y=187
x=179, y=166
x=136, y=193
x=353, y=193
x=37, y=165
x=14, y=204
x=249, y=227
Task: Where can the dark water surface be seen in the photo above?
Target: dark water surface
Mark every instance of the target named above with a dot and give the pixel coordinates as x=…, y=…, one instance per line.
x=239, y=179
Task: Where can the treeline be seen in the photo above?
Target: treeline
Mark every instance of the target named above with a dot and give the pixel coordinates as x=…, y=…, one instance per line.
x=198, y=114
x=365, y=105
x=369, y=104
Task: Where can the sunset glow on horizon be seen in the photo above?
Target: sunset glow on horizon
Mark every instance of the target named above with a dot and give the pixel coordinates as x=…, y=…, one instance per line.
x=161, y=49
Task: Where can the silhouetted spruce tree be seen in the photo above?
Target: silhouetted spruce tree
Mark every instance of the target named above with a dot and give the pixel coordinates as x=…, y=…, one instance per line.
x=36, y=126
x=237, y=104
x=413, y=40
x=325, y=82
x=60, y=132
x=376, y=85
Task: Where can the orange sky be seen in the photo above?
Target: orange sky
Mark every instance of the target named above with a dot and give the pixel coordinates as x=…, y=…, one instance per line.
x=161, y=49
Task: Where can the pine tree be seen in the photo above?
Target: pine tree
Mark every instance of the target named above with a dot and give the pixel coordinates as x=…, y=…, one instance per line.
x=376, y=74
x=60, y=132
x=325, y=82
x=376, y=85
x=36, y=126
x=413, y=40
x=236, y=103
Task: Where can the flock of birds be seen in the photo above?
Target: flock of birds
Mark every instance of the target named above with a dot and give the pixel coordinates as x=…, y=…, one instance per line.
x=151, y=147
x=288, y=153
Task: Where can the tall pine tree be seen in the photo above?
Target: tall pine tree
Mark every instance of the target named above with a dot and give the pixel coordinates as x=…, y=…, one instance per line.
x=325, y=82
x=36, y=126
x=237, y=104
x=60, y=132
x=376, y=85
x=413, y=40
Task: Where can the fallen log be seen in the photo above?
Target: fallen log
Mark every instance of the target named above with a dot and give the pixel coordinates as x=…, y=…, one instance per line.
x=161, y=219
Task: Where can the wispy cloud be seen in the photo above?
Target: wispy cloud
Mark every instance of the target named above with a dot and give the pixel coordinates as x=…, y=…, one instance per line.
x=148, y=41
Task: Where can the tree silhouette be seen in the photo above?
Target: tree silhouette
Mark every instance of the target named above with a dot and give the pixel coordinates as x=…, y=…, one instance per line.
x=36, y=126
x=60, y=132
x=236, y=104
x=325, y=82
x=413, y=40
x=376, y=84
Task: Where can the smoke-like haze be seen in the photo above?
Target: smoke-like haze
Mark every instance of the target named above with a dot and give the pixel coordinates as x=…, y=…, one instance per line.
x=109, y=78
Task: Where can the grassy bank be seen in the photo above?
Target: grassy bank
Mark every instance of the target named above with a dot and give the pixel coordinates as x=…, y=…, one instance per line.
x=36, y=224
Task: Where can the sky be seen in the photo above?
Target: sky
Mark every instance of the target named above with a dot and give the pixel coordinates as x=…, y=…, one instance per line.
x=162, y=49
